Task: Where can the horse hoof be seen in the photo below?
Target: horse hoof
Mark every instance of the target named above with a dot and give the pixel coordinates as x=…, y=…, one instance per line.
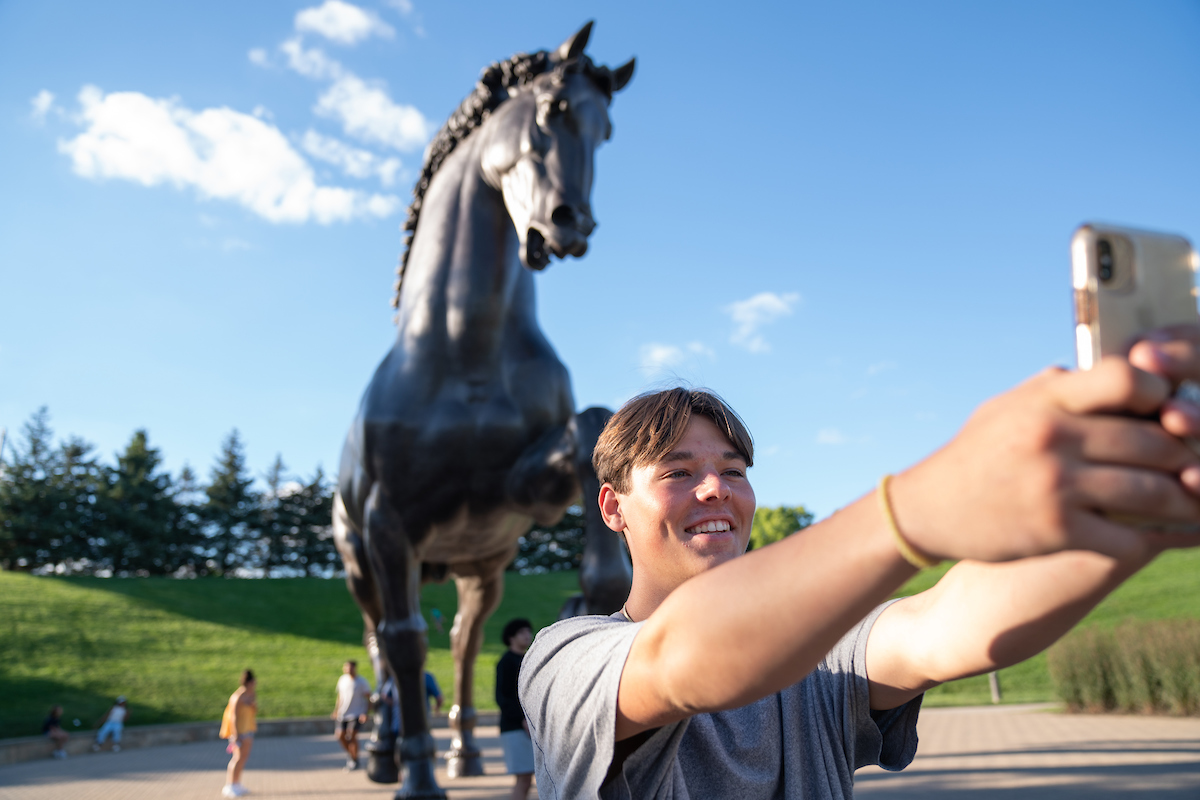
x=381, y=767
x=419, y=782
x=464, y=765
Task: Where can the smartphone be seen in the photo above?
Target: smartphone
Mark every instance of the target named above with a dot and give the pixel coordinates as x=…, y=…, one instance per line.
x=1128, y=281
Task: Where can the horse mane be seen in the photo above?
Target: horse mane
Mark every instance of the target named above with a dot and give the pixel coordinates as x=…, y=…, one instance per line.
x=491, y=90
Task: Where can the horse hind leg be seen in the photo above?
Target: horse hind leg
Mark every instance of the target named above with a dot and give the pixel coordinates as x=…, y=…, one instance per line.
x=605, y=575
x=381, y=748
x=480, y=585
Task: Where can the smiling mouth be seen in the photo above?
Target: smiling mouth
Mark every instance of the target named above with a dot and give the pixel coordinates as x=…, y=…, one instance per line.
x=715, y=526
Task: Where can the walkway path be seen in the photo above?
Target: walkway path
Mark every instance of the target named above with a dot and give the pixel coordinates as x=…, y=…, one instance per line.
x=1003, y=753
x=280, y=768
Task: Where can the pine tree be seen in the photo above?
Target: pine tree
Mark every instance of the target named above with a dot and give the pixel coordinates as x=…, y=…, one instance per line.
x=144, y=535
x=51, y=509
x=311, y=542
x=231, y=511
x=276, y=522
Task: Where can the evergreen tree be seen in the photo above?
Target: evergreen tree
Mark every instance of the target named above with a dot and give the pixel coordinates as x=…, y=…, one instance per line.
x=308, y=534
x=231, y=511
x=276, y=519
x=51, y=510
x=549, y=549
x=144, y=535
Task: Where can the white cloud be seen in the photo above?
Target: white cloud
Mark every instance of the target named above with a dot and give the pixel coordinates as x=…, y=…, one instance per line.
x=259, y=57
x=218, y=152
x=830, y=436
x=342, y=22
x=882, y=366
x=655, y=357
x=352, y=161
x=409, y=12
x=366, y=112
x=753, y=313
x=41, y=104
x=311, y=63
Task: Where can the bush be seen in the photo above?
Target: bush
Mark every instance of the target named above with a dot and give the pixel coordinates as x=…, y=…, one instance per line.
x=1150, y=667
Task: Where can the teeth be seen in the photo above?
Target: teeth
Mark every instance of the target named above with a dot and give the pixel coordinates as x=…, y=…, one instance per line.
x=710, y=527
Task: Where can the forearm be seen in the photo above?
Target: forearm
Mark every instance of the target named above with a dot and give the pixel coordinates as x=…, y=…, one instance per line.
x=981, y=617
x=759, y=623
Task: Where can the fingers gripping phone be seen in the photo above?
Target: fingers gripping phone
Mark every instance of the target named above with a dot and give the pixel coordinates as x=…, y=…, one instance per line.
x=1127, y=282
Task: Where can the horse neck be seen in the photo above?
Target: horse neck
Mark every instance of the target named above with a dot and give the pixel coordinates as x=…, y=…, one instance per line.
x=463, y=280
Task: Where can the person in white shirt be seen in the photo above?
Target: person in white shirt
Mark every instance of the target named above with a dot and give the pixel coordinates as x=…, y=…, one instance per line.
x=350, y=713
x=111, y=725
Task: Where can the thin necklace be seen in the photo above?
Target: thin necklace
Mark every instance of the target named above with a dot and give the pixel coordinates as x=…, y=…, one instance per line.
x=625, y=612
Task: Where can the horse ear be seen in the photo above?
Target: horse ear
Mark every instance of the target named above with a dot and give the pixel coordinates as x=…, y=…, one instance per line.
x=573, y=48
x=623, y=74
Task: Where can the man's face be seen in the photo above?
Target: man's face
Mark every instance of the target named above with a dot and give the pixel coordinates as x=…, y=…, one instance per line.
x=687, y=513
x=521, y=640
x=348, y=668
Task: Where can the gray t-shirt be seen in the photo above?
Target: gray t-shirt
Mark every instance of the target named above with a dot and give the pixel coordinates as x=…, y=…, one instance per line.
x=802, y=743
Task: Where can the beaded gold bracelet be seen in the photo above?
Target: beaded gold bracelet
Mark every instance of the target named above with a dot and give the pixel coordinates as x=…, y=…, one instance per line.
x=907, y=550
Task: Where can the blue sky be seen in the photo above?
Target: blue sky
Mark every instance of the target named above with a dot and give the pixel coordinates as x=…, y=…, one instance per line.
x=849, y=219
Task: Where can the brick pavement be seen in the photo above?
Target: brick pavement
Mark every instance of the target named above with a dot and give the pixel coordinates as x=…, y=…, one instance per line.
x=1010, y=753
x=1003, y=753
x=280, y=768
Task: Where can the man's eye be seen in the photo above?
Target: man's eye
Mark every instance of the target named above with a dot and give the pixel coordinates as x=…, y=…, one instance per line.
x=678, y=473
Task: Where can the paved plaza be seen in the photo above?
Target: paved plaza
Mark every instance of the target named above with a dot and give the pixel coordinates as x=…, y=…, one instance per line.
x=1004, y=753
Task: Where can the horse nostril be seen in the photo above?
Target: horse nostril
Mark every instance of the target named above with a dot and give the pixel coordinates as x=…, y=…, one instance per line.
x=563, y=216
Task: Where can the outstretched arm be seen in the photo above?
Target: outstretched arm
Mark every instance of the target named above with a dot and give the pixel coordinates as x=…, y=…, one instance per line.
x=982, y=617
x=1025, y=477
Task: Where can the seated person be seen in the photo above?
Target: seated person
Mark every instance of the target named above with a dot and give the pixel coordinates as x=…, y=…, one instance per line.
x=52, y=729
x=778, y=673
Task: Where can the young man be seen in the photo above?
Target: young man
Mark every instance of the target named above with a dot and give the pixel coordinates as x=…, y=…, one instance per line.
x=779, y=673
x=514, y=731
x=353, y=703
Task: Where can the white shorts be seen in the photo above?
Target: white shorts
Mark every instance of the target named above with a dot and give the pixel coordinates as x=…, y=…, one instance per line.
x=518, y=752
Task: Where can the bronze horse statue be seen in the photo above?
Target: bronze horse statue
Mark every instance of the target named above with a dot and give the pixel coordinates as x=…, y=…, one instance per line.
x=467, y=433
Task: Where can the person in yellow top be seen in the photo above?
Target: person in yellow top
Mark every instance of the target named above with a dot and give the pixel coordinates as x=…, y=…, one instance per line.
x=238, y=726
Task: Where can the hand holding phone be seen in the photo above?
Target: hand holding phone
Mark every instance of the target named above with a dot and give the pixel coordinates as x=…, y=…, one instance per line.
x=1128, y=282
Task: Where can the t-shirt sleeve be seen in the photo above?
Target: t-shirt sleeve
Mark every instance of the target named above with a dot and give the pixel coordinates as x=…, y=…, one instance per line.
x=884, y=738
x=568, y=688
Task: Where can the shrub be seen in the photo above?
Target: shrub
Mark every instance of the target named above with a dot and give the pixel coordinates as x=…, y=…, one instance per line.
x=1144, y=668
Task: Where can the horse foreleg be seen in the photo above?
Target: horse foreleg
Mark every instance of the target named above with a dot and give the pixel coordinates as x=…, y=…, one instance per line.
x=401, y=635
x=381, y=749
x=480, y=585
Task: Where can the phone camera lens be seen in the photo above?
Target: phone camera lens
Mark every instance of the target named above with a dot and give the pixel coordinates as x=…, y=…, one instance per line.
x=1104, y=260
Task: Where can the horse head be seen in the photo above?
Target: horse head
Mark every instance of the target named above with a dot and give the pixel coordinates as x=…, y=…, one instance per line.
x=541, y=148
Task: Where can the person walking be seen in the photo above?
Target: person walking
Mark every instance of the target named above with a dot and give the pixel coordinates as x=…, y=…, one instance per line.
x=514, y=729
x=111, y=725
x=350, y=713
x=52, y=729
x=238, y=725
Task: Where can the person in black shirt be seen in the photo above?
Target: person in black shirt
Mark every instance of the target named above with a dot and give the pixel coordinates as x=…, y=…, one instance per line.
x=52, y=729
x=514, y=730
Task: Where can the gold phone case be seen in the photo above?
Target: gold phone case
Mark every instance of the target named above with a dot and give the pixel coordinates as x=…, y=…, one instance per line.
x=1128, y=281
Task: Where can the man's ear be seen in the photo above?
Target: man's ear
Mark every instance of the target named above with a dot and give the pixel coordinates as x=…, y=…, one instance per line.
x=610, y=508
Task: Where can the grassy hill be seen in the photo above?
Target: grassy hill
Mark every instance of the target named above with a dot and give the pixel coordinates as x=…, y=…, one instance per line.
x=176, y=647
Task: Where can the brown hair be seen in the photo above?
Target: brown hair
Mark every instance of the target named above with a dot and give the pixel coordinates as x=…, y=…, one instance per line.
x=650, y=425
x=247, y=676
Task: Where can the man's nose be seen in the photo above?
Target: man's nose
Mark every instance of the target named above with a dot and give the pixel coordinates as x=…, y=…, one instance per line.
x=714, y=486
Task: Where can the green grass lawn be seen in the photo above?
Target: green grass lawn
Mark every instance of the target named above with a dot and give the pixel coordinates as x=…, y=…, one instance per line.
x=1169, y=588
x=176, y=647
